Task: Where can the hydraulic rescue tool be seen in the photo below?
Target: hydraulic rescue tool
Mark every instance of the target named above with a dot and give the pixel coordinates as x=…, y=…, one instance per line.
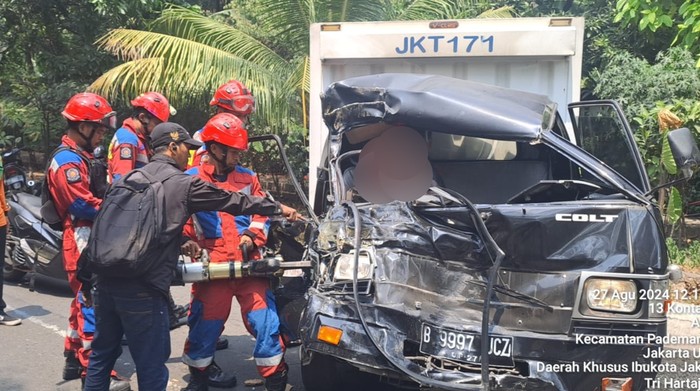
x=207, y=271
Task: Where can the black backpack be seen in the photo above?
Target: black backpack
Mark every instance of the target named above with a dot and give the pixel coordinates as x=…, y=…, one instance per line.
x=127, y=234
x=98, y=184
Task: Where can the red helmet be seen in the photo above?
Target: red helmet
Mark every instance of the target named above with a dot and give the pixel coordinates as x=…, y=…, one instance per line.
x=156, y=104
x=235, y=97
x=89, y=107
x=226, y=129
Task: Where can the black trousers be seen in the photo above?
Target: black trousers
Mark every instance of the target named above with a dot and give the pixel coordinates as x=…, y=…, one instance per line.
x=3, y=240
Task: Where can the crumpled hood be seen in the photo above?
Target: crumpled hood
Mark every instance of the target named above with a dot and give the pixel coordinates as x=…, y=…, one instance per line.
x=427, y=102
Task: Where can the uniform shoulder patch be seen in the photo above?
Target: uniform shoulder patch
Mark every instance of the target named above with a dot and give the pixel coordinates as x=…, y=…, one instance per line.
x=125, y=153
x=73, y=175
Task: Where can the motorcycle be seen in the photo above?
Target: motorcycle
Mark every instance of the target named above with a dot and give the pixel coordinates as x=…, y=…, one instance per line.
x=32, y=246
x=15, y=175
x=16, y=178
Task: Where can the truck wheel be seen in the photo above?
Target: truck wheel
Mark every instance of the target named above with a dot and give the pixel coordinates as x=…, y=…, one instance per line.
x=320, y=373
x=8, y=271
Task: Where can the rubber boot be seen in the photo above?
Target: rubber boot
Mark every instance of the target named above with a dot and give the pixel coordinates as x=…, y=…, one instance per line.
x=221, y=343
x=198, y=380
x=217, y=377
x=72, y=368
x=116, y=383
x=276, y=382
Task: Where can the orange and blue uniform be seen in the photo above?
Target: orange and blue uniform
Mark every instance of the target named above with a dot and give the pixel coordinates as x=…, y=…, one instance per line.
x=68, y=179
x=127, y=150
x=219, y=233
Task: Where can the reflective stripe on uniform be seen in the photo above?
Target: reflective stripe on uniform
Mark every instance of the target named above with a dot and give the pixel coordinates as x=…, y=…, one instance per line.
x=72, y=334
x=257, y=224
x=201, y=363
x=87, y=345
x=269, y=361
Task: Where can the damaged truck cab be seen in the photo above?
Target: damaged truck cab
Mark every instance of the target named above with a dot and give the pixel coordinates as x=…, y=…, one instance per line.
x=534, y=259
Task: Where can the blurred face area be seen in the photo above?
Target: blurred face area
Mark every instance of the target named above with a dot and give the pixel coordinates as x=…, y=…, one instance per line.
x=220, y=110
x=149, y=122
x=233, y=156
x=93, y=134
x=181, y=154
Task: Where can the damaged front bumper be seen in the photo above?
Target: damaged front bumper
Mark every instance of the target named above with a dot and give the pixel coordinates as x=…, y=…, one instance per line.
x=540, y=361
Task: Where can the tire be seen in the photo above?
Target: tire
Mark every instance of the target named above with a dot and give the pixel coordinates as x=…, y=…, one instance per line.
x=324, y=373
x=9, y=273
x=321, y=373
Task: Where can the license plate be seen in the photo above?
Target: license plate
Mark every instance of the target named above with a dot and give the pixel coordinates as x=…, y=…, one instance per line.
x=464, y=346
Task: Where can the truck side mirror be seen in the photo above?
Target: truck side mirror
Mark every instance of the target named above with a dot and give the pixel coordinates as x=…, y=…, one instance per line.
x=685, y=150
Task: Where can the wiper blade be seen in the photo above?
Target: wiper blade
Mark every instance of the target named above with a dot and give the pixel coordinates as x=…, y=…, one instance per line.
x=502, y=289
x=523, y=297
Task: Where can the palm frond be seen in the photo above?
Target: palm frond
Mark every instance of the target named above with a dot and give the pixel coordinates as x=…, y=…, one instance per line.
x=498, y=13
x=186, y=70
x=352, y=10
x=189, y=25
x=299, y=81
x=289, y=18
x=437, y=9
x=188, y=55
x=130, y=79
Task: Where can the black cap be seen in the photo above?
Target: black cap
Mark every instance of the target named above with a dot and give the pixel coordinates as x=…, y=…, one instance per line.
x=168, y=132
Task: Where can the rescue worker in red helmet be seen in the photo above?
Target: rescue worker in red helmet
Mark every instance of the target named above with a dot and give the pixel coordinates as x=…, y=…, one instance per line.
x=129, y=147
x=226, y=237
x=231, y=97
x=68, y=178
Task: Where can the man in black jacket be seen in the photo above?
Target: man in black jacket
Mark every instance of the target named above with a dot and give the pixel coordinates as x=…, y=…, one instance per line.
x=139, y=307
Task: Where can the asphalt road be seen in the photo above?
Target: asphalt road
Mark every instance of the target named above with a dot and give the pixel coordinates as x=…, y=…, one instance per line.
x=31, y=355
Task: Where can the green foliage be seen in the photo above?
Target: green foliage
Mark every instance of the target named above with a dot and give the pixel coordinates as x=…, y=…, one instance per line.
x=672, y=83
x=11, y=116
x=680, y=17
x=47, y=55
x=674, y=207
x=667, y=160
x=644, y=89
x=636, y=83
x=186, y=53
x=687, y=254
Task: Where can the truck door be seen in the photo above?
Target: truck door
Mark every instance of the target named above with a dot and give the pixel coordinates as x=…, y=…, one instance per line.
x=602, y=130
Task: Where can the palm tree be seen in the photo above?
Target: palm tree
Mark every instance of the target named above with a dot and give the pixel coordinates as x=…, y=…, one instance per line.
x=263, y=43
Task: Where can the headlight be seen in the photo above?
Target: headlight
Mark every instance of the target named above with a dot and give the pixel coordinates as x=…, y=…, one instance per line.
x=611, y=295
x=345, y=264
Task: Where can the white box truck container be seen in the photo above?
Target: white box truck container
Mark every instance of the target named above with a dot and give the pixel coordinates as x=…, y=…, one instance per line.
x=540, y=55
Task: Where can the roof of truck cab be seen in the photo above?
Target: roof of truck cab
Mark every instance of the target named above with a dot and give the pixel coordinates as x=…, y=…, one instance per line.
x=436, y=103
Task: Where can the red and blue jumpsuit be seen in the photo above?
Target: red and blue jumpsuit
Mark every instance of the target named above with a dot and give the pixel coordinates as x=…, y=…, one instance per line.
x=69, y=184
x=219, y=234
x=127, y=150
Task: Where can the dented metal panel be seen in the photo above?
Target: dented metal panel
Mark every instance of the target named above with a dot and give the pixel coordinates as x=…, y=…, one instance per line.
x=436, y=279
